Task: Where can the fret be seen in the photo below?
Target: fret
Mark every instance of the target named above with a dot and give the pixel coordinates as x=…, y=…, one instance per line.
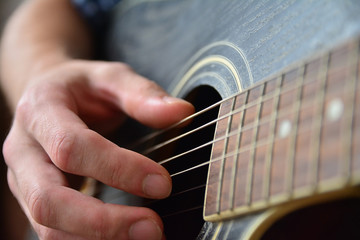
x=331, y=149
x=333, y=156
x=213, y=186
x=255, y=167
x=225, y=168
x=351, y=89
x=306, y=118
x=241, y=165
x=317, y=123
x=246, y=147
x=241, y=100
x=284, y=128
x=269, y=154
x=297, y=107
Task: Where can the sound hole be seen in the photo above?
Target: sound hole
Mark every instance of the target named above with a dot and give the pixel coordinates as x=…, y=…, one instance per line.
x=182, y=211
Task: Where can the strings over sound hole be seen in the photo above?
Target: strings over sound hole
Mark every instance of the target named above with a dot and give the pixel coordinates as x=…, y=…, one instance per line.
x=185, y=155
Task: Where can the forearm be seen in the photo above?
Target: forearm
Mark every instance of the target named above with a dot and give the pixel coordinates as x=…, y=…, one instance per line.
x=40, y=35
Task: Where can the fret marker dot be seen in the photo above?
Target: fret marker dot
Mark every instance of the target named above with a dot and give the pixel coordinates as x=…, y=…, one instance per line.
x=284, y=129
x=334, y=110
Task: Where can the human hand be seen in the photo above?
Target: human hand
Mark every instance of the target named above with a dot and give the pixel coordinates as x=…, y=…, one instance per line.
x=56, y=132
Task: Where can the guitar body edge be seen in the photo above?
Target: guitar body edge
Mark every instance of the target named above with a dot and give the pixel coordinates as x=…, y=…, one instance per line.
x=258, y=225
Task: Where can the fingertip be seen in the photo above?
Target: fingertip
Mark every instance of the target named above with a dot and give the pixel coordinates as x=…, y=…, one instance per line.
x=169, y=99
x=183, y=103
x=164, y=111
x=145, y=229
x=157, y=186
x=183, y=107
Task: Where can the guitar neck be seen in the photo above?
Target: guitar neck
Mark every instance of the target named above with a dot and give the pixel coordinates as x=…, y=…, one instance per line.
x=289, y=137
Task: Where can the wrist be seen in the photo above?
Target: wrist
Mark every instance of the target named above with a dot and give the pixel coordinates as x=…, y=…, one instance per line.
x=38, y=37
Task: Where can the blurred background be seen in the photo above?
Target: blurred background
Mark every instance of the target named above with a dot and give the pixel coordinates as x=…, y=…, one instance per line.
x=12, y=220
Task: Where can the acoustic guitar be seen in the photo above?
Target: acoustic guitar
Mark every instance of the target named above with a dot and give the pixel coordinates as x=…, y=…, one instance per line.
x=273, y=151
x=289, y=142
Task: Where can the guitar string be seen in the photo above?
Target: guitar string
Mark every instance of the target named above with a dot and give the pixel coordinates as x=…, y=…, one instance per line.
x=152, y=201
x=199, y=207
x=214, y=121
x=147, y=204
x=297, y=103
x=176, y=125
x=230, y=134
x=115, y=196
x=236, y=152
x=233, y=112
x=247, y=127
x=243, y=108
x=207, y=109
x=282, y=113
x=220, y=158
x=227, y=155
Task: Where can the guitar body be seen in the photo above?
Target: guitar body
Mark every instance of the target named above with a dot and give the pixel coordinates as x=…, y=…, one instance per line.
x=209, y=50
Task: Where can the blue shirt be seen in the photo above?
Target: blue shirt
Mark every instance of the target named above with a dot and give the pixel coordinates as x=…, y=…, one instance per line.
x=95, y=11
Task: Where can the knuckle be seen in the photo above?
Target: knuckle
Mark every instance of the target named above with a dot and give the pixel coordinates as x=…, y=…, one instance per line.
x=62, y=151
x=7, y=150
x=115, y=176
x=31, y=103
x=38, y=204
x=23, y=108
x=33, y=96
x=100, y=226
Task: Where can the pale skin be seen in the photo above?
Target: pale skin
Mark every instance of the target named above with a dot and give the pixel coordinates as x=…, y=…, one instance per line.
x=63, y=107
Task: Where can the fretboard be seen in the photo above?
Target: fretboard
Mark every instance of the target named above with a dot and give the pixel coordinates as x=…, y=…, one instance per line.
x=293, y=136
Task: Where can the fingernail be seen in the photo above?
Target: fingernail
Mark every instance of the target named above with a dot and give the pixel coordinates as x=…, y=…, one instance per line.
x=145, y=229
x=156, y=186
x=169, y=99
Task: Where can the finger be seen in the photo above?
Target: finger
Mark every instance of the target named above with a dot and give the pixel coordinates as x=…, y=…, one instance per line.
x=42, y=231
x=58, y=207
x=139, y=97
x=75, y=149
